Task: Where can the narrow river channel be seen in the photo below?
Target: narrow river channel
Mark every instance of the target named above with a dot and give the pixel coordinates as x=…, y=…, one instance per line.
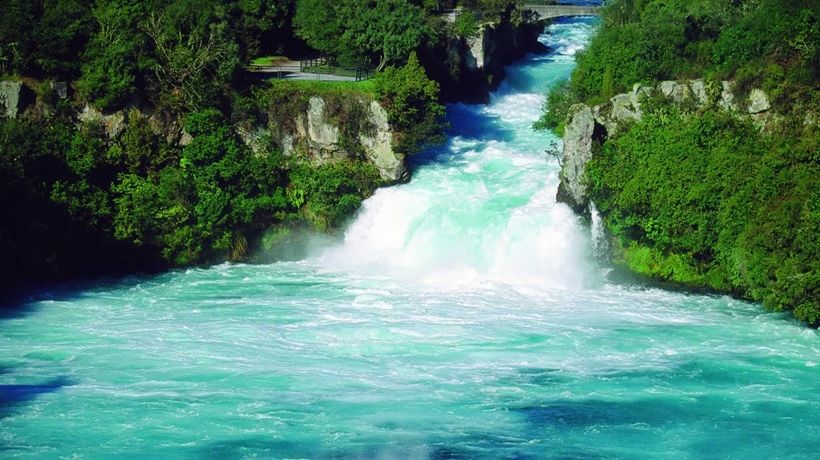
x=461, y=317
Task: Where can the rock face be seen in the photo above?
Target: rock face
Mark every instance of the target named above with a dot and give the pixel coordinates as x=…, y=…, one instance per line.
x=758, y=102
x=321, y=136
x=113, y=123
x=318, y=135
x=468, y=68
x=378, y=147
x=13, y=98
x=578, y=138
x=590, y=126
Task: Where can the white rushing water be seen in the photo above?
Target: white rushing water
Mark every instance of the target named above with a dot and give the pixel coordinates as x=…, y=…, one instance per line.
x=461, y=317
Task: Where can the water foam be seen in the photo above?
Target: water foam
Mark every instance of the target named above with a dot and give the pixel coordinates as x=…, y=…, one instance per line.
x=484, y=210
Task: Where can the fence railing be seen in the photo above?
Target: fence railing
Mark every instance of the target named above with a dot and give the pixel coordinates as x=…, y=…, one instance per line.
x=563, y=3
x=325, y=66
x=312, y=69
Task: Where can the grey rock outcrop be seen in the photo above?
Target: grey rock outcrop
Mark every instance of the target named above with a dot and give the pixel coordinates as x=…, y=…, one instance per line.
x=469, y=68
x=60, y=88
x=758, y=102
x=699, y=91
x=256, y=137
x=113, y=123
x=727, y=96
x=12, y=98
x=578, y=138
x=678, y=92
x=475, y=53
x=378, y=147
x=322, y=138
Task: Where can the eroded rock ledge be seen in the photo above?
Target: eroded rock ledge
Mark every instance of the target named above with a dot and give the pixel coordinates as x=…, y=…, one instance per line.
x=588, y=127
x=356, y=128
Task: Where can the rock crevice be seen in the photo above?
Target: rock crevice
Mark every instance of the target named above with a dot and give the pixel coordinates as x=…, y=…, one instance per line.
x=319, y=136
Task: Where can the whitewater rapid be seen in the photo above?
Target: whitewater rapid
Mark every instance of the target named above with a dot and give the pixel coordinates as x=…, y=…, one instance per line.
x=461, y=316
x=481, y=209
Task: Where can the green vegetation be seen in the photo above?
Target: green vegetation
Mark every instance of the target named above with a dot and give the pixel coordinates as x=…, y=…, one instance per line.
x=702, y=196
x=268, y=60
x=361, y=31
x=139, y=201
x=180, y=54
x=112, y=196
x=709, y=201
x=768, y=44
x=411, y=100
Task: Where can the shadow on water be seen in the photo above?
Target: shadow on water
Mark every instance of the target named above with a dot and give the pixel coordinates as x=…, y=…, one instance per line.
x=468, y=122
x=12, y=396
x=472, y=123
x=251, y=446
x=29, y=300
x=593, y=412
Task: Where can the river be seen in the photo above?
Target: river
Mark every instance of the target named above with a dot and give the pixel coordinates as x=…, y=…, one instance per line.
x=461, y=317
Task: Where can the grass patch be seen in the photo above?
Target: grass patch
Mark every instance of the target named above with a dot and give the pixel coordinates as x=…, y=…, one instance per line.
x=269, y=60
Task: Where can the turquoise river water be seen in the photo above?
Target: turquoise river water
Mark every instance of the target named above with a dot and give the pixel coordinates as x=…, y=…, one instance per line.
x=462, y=316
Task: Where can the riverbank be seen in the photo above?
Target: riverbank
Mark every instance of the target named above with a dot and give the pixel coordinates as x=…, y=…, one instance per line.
x=704, y=182
x=166, y=171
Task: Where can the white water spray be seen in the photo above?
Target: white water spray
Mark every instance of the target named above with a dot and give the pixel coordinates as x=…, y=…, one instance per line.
x=484, y=211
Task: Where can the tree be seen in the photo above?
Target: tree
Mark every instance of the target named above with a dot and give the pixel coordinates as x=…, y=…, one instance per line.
x=377, y=31
x=195, y=55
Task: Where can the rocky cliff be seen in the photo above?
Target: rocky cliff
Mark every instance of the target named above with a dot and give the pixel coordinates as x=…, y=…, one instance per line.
x=468, y=68
x=323, y=128
x=588, y=127
x=327, y=128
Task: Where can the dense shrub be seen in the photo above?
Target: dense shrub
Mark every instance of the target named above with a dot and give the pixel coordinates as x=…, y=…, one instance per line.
x=711, y=202
x=765, y=41
x=138, y=202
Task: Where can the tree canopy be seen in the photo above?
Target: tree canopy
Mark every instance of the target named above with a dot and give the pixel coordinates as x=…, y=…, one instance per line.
x=361, y=31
